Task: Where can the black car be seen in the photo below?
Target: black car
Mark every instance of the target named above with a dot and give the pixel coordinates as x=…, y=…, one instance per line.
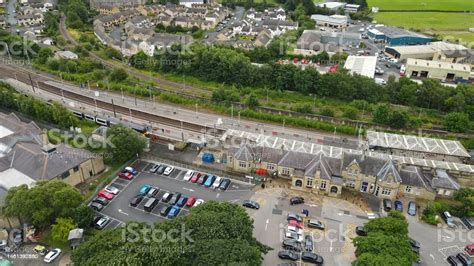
x=387, y=205
x=360, y=231
x=100, y=200
x=224, y=184
x=175, y=198
x=165, y=210
x=291, y=244
x=17, y=236
x=294, y=216
x=312, y=257
x=161, y=169
x=296, y=200
x=96, y=206
x=464, y=259
x=312, y=223
x=308, y=243
x=287, y=264
x=453, y=261
x=415, y=245
x=136, y=200
x=469, y=222
x=288, y=255
x=251, y=204
x=202, y=179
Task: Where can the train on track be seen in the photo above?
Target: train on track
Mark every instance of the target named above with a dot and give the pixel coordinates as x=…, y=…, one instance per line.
x=110, y=121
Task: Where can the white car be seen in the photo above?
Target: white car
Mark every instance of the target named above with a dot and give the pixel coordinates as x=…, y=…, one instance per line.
x=290, y=228
x=168, y=170
x=52, y=255
x=217, y=182
x=198, y=202
x=112, y=190
x=188, y=175
x=294, y=236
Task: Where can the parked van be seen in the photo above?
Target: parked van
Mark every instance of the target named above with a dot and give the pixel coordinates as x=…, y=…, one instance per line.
x=150, y=204
x=448, y=219
x=380, y=81
x=387, y=205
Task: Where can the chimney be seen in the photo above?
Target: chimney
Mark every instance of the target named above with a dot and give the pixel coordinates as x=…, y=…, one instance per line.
x=44, y=138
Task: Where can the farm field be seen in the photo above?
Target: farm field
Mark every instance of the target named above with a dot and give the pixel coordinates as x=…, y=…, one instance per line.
x=444, y=5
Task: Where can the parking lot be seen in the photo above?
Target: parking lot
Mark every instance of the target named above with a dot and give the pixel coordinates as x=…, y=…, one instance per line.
x=120, y=211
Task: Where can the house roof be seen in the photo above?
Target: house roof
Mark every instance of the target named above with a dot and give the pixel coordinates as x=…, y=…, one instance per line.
x=387, y=170
x=412, y=176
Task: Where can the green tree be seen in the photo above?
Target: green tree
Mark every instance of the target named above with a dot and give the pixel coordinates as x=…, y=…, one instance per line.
x=60, y=230
x=118, y=75
x=83, y=215
x=381, y=114
x=465, y=195
x=398, y=119
x=457, y=122
x=351, y=113
x=125, y=143
x=252, y=101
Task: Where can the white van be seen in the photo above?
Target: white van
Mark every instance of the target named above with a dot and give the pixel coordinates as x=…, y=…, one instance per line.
x=380, y=81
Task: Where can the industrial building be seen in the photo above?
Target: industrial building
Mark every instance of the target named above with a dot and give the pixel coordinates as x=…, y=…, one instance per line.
x=312, y=41
x=351, y=8
x=333, y=22
x=396, y=36
x=438, y=51
x=362, y=65
x=419, y=68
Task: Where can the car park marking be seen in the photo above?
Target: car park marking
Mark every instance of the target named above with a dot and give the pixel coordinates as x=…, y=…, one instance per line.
x=217, y=195
x=122, y=212
x=266, y=224
x=188, y=189
x=432, y=257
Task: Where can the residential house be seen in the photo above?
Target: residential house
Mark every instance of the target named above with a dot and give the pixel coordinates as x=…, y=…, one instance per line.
x=190, y=3
x=68, y=55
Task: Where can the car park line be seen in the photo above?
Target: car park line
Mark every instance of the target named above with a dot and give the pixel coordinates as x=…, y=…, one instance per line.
x=125, y=186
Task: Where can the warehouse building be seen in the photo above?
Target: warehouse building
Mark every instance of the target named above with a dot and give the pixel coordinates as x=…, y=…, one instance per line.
x=419, y=68
x=352, y=8
x=362, y=65
x=396, y=36
x=313, y=41
x=333, y=22
x=438, y=51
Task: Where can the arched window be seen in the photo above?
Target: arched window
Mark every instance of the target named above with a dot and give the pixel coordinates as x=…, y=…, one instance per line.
x=298, y=183
x=333, y=189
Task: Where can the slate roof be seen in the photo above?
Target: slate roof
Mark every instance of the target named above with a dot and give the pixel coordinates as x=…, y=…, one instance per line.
x=442, y=180
x=389, y=168
x=413, y=176
x=368, y=165
x=297, y=160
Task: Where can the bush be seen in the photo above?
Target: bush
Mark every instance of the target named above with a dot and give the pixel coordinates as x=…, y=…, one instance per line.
x=351, y=113
x=305, y=108
x=327, y=112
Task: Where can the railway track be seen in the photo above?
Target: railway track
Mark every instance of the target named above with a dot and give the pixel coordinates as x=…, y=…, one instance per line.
x=24, y=77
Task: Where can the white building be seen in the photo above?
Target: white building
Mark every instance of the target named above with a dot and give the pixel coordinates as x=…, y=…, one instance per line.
x=362, y=65
x=334, y=21
x=331, y=5
x=190, y=3
x=66, y=55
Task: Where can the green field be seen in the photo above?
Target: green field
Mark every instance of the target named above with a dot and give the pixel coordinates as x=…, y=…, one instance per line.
x=444, y=5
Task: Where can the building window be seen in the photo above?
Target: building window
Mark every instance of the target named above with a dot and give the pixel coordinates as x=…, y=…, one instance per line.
x=230, y=159
x=350, y=184
x=386, y=192
x=75, y=169
x=270, y=166
x=65, y=174
x=243, y=164
x=309, y=182
x=447, y=193
x=285, y=171
x=408, y=189
x=333, y=189
x=323, y=185
x=363, y=187
x=298, y=183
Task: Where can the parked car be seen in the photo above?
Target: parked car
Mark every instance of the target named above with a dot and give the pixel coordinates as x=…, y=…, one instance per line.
x=398, y=205
x=190, y=202
x=52, y=255
x=188, y=175
x=217, y=182
x=294, y=229
x=100, y=200
x=131, y=170
x=411, y=208
x=464, y=259
x=224, y=184
x=168, y=170
x=175, y=198
x=136, y=200
x=308, y=243
x=112, y=189
x=251, y=204
x=144, y=189
x=360, y=231
x=105, y=194
x=17, y=236
x=295, y=236
x=161, y=169
x=387, y=205
x=165, y=210
x=152, y=192
x=415, y=245
x=296, y=200
x=173, y=212
x=96, y=206
x=288, y=255
x=294, y=216
x=202, y=179
x=313, y=223
x=454, y=261
x=182, y=201
x=312, y=258
x=209, y=181
x=469, y=249
x=291, y=244
x=154, y=168
x=195, y=177
x=469, y=222
x=42, y=250
x=198, y=202
x=125, y=175
x=295, y=223
x=102, y=223
x=448, y=219
x=167, y=197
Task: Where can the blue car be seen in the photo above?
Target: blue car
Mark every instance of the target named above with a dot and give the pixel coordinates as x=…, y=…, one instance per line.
x=131, y=170
x=144, y=190
x=173, y=212
x=182, y=201
x=209, y=181
x=398, y=205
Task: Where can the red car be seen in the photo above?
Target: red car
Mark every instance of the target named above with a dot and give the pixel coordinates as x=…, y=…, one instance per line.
x=125, y=175
x=295, y=224
x=195, y=177
x=470, y=249
x=105, y=194
x=190, y=201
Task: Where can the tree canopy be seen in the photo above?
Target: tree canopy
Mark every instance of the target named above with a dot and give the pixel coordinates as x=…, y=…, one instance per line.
x=125, y=143
x=220, y=233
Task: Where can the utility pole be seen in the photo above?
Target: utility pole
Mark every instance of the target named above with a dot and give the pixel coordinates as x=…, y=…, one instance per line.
x=31, y=81
x=135, y=96
x=113, y=107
